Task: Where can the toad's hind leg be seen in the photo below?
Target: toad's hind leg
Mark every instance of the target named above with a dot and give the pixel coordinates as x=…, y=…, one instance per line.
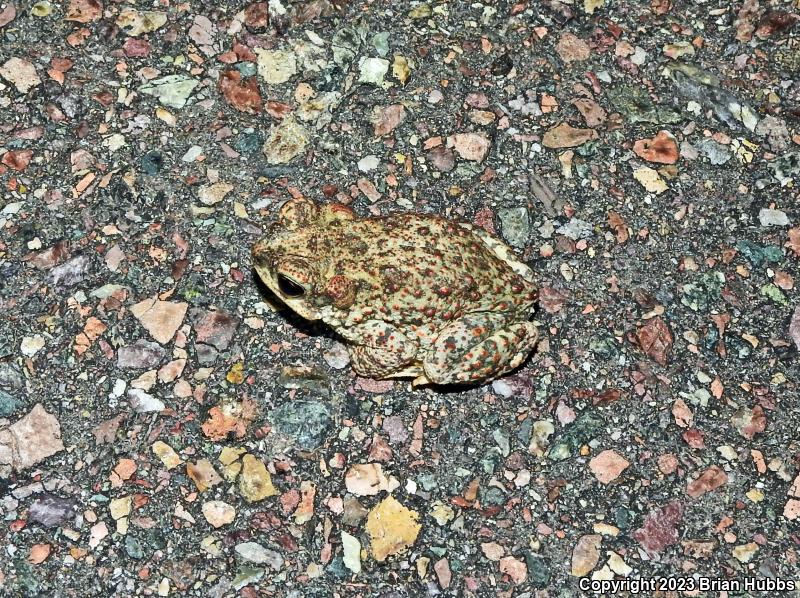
x=380, y=350
x=478, y=347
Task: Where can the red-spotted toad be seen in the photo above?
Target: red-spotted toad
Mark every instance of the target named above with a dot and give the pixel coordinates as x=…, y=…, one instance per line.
x=413, y=295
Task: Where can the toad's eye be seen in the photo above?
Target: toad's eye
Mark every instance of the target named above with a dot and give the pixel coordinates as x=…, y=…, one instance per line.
x=289, y=287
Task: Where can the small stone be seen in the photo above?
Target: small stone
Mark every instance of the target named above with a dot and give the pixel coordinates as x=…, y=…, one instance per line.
x=152, y=162
x=366, y=479
x=71, y=272
x=392, y=528
x=351, y=548
x=258, y=554
x=470, y=146
x=368, y=163
x=172, y=90
x=576, y=229
x=17, y=160
x=140, y=355
x=492, y=550
x=515, y=226
x=20, y=73
x=31, y=345
x=136, y=48
x=202, y=33
x=306, y=421
x=607, y=466
x=255, y=482
x=515, y=568
x=29, y=440
x=203, y=474
x=135, y=23
x=420, y=11
x=373, y=70
x=8, y=404
x=565, y=135
x=443, y=573
x=749, y=422
x=214, y=327
x=53, y=511
x=772, y=217
x=401, y=69
x=218, y=513
x=167, y=454
x=120, y=507
x=213, y=194
x=711, y=479
x=242, y=94
x=276, y=66
x=337, y=356
x=650, y=180
x=443, y=159
x=540, y=437
x=39, y=552
x=663, y=148
x=192, y=154
x=286, y=141
x=160, y=318
x=586, y=554
x=572, y=49
x=678, y=49
x=142, y=402
x=716, y=152
x=386, y=119
x=744, y=553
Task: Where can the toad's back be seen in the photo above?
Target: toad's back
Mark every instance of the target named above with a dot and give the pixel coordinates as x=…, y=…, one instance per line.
x=412, y=268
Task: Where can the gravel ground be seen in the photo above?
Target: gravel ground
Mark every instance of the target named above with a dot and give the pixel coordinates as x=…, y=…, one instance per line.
x=167, y=429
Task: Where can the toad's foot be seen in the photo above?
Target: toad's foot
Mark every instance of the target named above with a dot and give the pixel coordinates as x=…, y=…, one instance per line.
x=478, y=347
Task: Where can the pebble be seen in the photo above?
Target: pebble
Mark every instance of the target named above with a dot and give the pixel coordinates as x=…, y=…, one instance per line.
x=576, y=229
x=255, y=482
x=8, y=404
x=70, y=273
x=586, y=554
x=373, y=71
x=136, y=23
x=515, y=225
x=51, y=510
x=258, y=554
x=160, y=318
x=716, y=152
x=142, y=402
x=771, y=217
x=192, y=154
x=351, y=548
x=20, y=73
x=218, y=513
x=392, y=528
x=172, y=90
x=368, y=163
x=152, y=162
x=140, y=355
x=29, y=441
x=285, y=142
x=337, y=356
x=306, y=421
x=276, y=66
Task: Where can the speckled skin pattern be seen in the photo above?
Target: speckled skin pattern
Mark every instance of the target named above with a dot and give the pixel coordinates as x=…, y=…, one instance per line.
x=413, y=295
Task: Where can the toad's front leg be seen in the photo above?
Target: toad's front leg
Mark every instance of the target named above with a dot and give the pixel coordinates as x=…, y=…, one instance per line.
x=478, y=347
x=379, y=350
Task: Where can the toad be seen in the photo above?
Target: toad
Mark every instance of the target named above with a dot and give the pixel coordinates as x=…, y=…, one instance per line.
x=412, y=295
